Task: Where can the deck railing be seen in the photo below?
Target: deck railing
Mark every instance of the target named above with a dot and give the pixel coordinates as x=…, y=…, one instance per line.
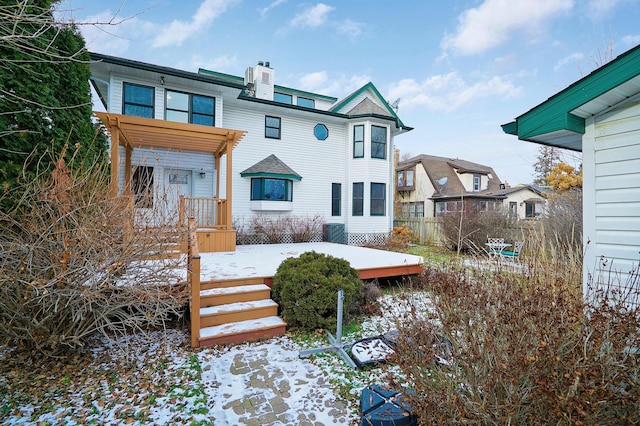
x=207, y=212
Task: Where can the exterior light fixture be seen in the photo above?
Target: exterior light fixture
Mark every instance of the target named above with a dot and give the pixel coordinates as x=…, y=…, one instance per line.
x=162, y=80
x=203, y=174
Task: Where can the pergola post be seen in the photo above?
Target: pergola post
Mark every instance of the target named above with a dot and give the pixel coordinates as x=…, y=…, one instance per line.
x=229, y=180
x=115, y=143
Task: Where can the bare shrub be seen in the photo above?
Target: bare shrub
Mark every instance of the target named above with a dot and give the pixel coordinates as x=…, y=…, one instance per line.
x=468, y=231
x=562, y=221
x=526, y=350
x=369, y=300
x=303, y=229
x=71, y=267
x=263, y=229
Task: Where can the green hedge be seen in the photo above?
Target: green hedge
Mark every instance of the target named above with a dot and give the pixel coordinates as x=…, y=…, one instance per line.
x=306, y=288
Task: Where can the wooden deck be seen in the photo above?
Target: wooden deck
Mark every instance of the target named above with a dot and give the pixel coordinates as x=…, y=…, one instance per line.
x=231, y=291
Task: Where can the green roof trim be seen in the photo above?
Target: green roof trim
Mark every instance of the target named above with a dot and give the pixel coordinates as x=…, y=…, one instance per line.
x=369, y=86
x=276, y=87
x=99, y=57
x=554, y=115
x=272, y=175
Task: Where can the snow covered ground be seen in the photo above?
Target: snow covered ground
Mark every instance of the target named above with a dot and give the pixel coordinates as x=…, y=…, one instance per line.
x=157, y=378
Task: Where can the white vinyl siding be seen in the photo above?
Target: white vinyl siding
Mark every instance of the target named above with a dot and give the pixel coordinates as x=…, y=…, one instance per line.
x=612, y=182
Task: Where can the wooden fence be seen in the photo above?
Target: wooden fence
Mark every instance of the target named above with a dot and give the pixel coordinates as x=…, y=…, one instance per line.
x=426, y=230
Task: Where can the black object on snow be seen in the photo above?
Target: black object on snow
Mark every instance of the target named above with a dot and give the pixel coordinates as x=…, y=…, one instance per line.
x=380, y=406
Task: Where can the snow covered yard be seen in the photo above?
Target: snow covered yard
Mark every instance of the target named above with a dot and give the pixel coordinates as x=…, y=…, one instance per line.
x=156, y=378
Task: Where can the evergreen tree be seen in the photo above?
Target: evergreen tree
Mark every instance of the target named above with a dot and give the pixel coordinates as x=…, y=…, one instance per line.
x=548, y=157
x=45, y=99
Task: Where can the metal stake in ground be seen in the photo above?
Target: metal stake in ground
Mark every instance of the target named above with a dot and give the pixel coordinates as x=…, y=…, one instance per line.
x=336, y=343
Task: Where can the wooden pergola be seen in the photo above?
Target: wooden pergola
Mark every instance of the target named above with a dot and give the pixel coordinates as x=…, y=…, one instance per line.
x=136, y=132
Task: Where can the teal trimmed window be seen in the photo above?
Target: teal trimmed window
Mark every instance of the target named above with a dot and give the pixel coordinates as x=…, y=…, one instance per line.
x=336, y=199
x=269, y=189
x=358, y=199
x=358, y=141
x=283, y=98
x=306, y=102
x=378, y=142
x=138, y=100
x=272, y=127
x=378, y=199
x=190, y=108
x=321, y=132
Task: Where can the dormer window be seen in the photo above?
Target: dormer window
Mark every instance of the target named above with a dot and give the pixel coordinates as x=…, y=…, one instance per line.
x=476, y=183
x=283, y=98
x=405, y=180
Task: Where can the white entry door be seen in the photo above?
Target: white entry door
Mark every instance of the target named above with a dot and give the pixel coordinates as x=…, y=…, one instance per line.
x=177, y=183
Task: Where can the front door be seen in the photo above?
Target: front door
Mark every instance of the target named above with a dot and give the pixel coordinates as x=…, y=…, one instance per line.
x=177, y=183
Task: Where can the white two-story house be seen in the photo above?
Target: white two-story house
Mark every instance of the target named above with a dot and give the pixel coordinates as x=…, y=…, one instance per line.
x=288, y=152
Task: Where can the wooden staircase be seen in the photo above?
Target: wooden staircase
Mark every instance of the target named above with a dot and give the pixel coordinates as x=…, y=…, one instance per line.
x=238, y=310
x=231, y=310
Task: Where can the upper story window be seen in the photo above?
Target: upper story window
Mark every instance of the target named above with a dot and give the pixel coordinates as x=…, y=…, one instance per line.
x=190, y=108
x=306, y=102
x=137, y=100
x=271, y=189
x=405, y=179
x=283, y=98
x=272, y=127
x=358, y=141
x=378, y=199
x=476, y=183
x=378, y=142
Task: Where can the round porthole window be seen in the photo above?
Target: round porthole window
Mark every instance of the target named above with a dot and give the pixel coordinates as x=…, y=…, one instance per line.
x=321, y=132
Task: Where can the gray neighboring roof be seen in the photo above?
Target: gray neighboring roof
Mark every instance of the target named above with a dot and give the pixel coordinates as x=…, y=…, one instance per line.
x=273, y=167
x=438, y=168
x=532, y=188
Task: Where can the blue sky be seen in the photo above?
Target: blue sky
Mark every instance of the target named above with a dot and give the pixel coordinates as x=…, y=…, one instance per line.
x=459, y=67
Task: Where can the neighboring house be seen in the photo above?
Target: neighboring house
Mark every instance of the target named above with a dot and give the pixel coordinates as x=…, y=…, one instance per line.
x=430, y=186
x=295, y=153
x=600, y=116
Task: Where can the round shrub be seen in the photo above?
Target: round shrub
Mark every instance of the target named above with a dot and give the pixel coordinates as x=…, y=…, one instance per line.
x=306, y=288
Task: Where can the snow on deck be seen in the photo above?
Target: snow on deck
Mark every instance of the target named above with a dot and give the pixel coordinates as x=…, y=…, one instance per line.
x=238, y=306
x=262, y=260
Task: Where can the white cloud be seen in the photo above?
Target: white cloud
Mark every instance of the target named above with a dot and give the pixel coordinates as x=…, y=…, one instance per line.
x=339, y=86
x=108, y=33
x=598, y=9
x=265, y=10
x=494, y=21
x=312, y=17
x=448, y=92
x=222, y=63
x=631, y=39
x=175, y=33
x=574, y=57
x=349, y=28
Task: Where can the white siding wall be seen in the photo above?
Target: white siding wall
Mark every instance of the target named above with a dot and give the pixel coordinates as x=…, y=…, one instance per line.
x=611, y=148
x=320, y=163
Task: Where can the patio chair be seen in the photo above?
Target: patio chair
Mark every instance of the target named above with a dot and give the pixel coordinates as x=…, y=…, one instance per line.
x=495, y=245
x=515, y=253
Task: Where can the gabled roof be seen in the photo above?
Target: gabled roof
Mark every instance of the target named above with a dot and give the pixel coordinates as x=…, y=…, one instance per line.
x=385, y=110
x=560, y=120
x=533, y=188
x=271, y=167
x=444, y=175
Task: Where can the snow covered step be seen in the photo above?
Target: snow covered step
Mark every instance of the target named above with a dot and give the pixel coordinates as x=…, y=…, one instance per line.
x=243, y=293
x=239, y=311
x=242, y=331
x=205, y=285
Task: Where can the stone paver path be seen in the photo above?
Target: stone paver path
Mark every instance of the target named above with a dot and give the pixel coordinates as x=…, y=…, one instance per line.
x=268, y=384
